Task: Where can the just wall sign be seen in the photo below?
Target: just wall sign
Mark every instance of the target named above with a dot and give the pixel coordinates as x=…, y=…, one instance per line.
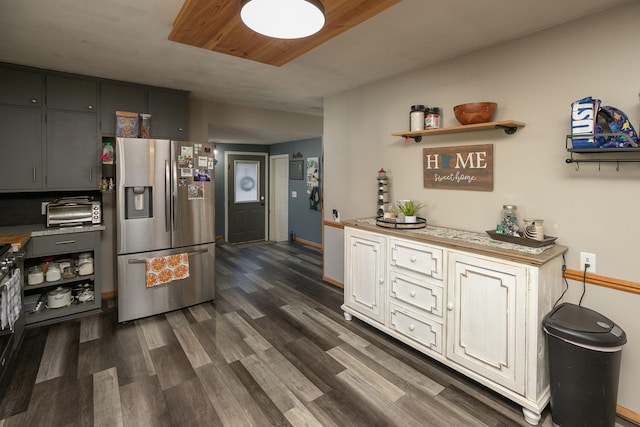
x=468, y=167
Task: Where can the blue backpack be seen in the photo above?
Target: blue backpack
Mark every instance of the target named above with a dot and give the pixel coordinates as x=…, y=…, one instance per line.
x=612, y=120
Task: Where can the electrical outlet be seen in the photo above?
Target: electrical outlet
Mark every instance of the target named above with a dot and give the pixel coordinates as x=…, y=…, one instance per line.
x=294, y=194
x=588, y=258
x=43, y=208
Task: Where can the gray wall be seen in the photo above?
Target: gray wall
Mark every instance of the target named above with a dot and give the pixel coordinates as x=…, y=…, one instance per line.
x=533, y=79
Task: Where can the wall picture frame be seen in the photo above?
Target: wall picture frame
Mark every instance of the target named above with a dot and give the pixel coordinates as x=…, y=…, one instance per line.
x=296, y=169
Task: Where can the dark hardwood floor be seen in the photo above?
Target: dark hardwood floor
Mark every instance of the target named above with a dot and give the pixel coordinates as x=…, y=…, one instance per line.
x=273, y=349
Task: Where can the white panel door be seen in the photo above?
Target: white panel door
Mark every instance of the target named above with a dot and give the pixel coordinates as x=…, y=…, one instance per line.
x=486, y=318
x=365, y=273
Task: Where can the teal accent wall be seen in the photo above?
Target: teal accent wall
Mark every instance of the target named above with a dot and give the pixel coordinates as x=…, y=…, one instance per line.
x=305, y=222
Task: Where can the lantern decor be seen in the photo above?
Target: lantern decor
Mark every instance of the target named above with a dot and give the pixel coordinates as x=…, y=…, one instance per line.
x=383, y=192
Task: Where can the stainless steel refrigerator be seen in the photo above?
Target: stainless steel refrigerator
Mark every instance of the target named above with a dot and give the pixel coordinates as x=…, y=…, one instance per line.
x=165, y=206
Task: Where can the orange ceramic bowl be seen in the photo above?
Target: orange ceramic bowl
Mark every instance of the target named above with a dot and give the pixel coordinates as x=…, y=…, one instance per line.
x=475, y=112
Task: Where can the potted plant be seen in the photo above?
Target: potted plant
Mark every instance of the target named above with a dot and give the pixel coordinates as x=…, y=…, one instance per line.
x=410, y=210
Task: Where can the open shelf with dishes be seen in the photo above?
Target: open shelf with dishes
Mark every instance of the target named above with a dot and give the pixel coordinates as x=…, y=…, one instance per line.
x=509, y=126
x=60, y=277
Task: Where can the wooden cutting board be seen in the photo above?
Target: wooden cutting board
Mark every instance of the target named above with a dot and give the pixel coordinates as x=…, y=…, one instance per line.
x=15, y=240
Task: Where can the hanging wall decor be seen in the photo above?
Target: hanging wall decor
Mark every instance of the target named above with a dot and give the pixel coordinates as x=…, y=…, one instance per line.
x=468, y=167
x=296, y=169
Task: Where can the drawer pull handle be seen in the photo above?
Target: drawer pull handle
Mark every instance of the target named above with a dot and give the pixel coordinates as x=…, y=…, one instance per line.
x=413, y=259
x=66, y=242
x=450, y=306
x=412, y=293
x=412, y=327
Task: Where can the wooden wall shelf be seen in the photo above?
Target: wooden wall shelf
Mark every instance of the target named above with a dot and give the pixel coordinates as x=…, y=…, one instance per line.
x=509, y=126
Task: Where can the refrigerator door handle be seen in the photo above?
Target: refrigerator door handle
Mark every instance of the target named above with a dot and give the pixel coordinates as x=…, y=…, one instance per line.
x=167, y=196
x=143, y=260
x=174, y=191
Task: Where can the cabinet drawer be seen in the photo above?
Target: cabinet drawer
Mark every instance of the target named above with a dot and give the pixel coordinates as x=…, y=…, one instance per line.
x=62, y=243
x=419, y=293
x=420, y=330
x=420, y=258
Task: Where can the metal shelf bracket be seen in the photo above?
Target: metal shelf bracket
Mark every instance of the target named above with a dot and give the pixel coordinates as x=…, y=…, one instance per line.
x=509, y=130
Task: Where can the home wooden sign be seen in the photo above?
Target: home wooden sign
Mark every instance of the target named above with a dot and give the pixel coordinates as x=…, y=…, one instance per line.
x=468, y=167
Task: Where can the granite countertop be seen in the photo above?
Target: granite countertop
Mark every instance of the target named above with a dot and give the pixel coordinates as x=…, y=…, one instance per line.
x=19, y=235
x=469, y=240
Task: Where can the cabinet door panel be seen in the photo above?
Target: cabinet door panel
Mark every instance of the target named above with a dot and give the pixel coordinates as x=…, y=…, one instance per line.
x=19, y=87
x=21, y=135
x=486, y=321
x=73, y=94
x=169, y=114
x=116, y=97
x=365, y=272
x=72, y=151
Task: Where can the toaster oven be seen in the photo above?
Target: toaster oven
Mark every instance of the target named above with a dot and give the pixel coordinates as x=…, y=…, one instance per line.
x=73, y=212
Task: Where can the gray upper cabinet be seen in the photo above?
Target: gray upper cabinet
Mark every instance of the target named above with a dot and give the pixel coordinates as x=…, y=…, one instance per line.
x=169, y=113
x=19, y=87
x=51, y=125
x=72, y=150
x=21, y=122
x=118, y=97
x=67, y=93
x=21, y=143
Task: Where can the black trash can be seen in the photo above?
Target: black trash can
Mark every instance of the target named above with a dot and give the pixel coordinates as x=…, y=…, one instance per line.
x=584, y=350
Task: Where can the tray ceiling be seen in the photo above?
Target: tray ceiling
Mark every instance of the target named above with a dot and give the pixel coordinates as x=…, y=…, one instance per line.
x=216, y=25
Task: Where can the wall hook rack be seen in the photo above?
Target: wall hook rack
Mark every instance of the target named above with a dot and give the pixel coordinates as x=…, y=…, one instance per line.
x=600, y=161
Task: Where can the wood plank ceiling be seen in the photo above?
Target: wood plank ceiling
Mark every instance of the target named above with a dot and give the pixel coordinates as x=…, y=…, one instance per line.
x=216, y=25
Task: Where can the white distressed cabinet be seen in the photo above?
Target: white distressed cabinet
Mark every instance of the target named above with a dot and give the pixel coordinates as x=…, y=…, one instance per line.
x=477, y=311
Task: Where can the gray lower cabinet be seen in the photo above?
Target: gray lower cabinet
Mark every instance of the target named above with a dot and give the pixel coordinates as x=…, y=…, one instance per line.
x=63, y=248
x=119, y=97
x=72, y=150
x=21, y=142
x=169, y=113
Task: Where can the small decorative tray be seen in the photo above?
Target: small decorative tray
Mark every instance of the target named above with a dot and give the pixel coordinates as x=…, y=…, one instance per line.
x=393, y=223
x=548, y=240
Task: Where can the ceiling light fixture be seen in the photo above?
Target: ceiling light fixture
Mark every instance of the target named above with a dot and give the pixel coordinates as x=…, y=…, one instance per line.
x=283, y=19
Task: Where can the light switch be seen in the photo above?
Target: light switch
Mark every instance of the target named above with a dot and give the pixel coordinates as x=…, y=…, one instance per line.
x=294, y=194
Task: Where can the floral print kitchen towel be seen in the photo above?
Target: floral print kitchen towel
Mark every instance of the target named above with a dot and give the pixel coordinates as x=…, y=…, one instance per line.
x=165, y=269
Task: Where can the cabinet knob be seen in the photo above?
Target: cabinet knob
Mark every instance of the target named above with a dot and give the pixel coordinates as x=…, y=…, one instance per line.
x=90, y=107
x=412, y=293
x=34, y=101
x=381, y=281
x=412, y=327
x=450, y=306
x=413, y=259
x=180, y=129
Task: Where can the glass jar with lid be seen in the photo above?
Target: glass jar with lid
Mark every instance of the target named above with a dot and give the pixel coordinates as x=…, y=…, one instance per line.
x=85, y=264
x=416, y=117
x=35, y=275
x=53, y=272
x=509, y=220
